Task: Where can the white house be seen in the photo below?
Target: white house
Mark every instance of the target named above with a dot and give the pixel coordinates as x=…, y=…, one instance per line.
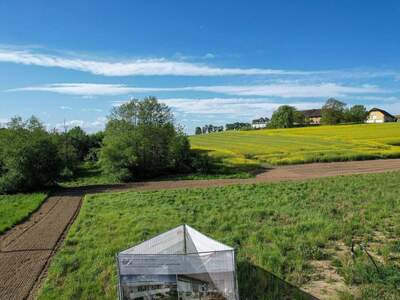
x=260, y=123
x=377, y=115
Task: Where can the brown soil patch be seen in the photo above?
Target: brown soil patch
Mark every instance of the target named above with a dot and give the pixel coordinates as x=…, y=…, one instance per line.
x=26, y=250
x=326, y=282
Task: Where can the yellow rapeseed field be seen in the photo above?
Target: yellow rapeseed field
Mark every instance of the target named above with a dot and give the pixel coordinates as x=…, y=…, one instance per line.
x=302, y=145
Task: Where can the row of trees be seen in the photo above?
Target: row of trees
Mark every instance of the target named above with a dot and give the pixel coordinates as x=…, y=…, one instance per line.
x=208, y=129
x=332, y=113
x=335, y=112
x=31, y=157
x=286, y=116
x=238, y=126
x=140, y=141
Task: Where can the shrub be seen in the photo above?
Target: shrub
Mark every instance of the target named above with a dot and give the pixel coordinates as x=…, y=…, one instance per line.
x=29, y=158
x=284, y=117
x=141, y=141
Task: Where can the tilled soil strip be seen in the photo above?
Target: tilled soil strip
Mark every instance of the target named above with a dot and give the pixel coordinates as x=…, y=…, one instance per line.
x=25, y=250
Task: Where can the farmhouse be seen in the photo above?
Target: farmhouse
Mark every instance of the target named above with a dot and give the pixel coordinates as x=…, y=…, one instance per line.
x=260, y=123
x=313, y=116
x=377, y=115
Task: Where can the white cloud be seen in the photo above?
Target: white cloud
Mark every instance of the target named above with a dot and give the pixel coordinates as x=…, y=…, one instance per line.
x=144, y=67
x=88, y=89
x=90, y=126
x=283, y=90
x=292, y=90
x=209, y=56
x=3, y=122
x=65, y=107
x=236, y=107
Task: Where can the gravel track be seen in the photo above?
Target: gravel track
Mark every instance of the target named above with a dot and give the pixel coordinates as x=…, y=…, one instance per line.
x=26, y=250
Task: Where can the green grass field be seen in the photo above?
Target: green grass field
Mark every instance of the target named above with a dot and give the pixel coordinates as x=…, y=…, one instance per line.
x=279, y=227
x=303, y=145
x=15, y=208
x=89, y=174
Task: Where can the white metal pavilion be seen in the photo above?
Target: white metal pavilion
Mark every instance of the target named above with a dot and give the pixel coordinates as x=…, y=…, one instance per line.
x=181, y=263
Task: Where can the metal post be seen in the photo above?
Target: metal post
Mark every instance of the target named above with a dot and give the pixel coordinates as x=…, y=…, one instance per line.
x=184, y=239
x=119, y=279
x=234, y=272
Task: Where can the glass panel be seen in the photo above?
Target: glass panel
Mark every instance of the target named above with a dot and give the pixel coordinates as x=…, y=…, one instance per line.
x=206, y=276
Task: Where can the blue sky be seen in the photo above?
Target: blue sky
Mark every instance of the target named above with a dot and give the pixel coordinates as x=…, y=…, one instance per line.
x=211, y=61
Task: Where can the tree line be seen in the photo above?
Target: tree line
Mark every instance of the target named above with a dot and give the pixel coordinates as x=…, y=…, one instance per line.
x=333, y=112
x=140, y=140
x=31, y=157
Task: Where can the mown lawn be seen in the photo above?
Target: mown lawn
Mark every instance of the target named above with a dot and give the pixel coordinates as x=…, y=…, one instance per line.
x=277, y=227
x=303, y=145
x=15, y=208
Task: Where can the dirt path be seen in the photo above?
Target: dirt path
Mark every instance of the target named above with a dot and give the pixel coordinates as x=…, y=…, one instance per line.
x=281, y=173
x=26, y=250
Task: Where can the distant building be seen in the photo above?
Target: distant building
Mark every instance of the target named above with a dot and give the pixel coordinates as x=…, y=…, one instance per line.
x=259, y=123
x=377, y=115
x=211, y=128
x=313, y=116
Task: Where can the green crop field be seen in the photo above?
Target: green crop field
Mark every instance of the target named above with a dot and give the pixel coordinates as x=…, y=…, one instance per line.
x=303, y=145
x=285, y=228
x=15, y=208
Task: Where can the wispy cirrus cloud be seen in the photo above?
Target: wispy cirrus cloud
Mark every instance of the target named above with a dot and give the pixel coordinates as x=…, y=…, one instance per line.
x=283, y=90
x=86, y=89
x=292, y=90
x=238, y=107
x=143, y=67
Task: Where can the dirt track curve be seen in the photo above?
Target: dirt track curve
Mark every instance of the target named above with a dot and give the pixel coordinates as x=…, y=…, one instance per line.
x=26, y=249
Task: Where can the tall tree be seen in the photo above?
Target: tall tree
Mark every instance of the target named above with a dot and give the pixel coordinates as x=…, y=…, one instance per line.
x=356, y=114
x=79, y=140
x=141, y=141
x=333, y=112
x=198, y=131
x=283, y=117
x=299, y=118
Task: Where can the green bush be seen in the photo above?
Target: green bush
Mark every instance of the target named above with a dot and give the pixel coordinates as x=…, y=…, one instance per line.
x=29, y=158
x=141, y=141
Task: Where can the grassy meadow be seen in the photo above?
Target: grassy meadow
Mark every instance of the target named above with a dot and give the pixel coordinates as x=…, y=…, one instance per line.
x=283, y=228
x=302, y=145
x=15, y=208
